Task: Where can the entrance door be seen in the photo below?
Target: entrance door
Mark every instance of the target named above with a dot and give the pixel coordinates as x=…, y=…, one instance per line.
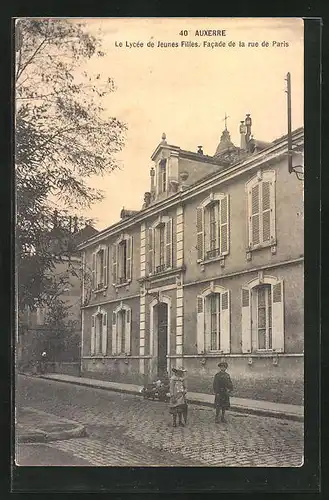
x=162, y=338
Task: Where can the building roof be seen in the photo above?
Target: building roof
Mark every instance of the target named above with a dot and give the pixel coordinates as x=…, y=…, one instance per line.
x=240, y=157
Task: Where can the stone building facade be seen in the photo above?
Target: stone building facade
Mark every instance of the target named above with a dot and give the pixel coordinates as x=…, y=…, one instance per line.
x=211, y=267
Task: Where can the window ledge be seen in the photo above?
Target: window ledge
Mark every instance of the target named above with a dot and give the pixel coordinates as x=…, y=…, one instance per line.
x=220, y=258
x=100, y=290
x=270, y=244
x=166, y=272
x=120, y=285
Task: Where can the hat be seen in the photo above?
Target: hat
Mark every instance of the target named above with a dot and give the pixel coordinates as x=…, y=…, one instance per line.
x=179, y=369
x=223, y=363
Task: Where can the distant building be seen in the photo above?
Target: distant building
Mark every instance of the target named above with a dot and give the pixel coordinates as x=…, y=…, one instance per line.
x=211, y=267
x=67, y=266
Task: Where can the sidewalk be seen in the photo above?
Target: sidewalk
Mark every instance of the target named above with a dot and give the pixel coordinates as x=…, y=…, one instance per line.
x=257, y=407
x=35, y=426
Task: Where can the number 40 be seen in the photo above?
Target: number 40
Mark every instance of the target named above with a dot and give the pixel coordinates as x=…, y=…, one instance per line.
x=183, y=32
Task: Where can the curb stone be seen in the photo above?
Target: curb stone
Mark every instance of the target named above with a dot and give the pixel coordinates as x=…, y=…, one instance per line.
x=236, y=408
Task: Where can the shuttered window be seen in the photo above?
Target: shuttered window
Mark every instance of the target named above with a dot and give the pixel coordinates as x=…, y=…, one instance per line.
x=262, y=325
x=98, y=343
x=212, y=228
x=160, y=246
x=100, y=268
x=122, y=258
x=261, y=210
x=213, y=322
x=121, y=330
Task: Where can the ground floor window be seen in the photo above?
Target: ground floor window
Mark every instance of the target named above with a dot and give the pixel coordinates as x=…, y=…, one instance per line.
x=98, y=343
x=121, y=330
x=264, y=317
x=213, y=321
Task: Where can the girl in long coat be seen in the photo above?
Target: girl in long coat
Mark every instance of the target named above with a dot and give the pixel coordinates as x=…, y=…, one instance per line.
x=178, y=391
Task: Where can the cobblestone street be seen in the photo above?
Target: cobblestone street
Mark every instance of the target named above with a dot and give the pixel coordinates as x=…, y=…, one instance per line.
x=127, y=430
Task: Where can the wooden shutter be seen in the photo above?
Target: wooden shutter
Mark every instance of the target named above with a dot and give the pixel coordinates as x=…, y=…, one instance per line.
x=266, y=212
x=169, y=245
x=114, y=333
x=93, y=271
x=254, y=217
x=93, y=336
x=129, y=249
x=224, y=226
x=200, y=324
x=273, y=211
x=114, y=264
x=246, y=320
x=104, y=334
x=151, y=250
x=278, y=317
x=128, y=331
x=225, y=334
x=200, y=232
x=105, y=266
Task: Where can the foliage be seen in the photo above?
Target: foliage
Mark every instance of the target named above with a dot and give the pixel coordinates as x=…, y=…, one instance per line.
x=63, y=137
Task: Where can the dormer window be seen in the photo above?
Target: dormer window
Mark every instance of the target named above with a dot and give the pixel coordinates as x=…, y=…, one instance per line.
x=162, y=176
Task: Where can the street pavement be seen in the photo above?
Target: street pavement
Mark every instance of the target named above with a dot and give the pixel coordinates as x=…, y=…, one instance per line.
x=125, y=430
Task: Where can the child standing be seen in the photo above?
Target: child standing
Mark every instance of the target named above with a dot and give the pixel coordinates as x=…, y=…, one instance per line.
x=222, y=387
x=178, y=403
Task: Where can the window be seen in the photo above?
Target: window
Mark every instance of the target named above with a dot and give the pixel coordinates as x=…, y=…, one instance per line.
x=261, y=210
x=160, y=247
x=213, y=320
x=163, y=176
x=263, y=315
x=121, y=330
x=212, y=223
x=98, y=342
x=100, y=268
x=122, y=260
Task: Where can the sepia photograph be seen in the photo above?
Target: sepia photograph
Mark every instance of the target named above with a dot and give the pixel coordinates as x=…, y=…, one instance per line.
x=159, y=242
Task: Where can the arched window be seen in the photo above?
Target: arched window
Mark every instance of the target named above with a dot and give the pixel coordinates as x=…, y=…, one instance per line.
x=213, y=320
x=98, y=343
x=263, y=315
x=121, y=330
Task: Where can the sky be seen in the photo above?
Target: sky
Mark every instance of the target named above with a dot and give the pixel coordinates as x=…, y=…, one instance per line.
x=186, y=91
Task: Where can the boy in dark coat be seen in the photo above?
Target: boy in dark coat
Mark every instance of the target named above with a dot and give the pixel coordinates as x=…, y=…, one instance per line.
x=222, y=387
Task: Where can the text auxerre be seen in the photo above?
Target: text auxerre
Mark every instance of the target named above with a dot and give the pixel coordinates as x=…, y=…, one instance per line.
x=210, y=33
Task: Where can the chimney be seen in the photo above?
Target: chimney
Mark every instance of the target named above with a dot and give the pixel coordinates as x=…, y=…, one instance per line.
x=243, y=131
x=200, y=150
x=152, y=174
x=248, y=123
